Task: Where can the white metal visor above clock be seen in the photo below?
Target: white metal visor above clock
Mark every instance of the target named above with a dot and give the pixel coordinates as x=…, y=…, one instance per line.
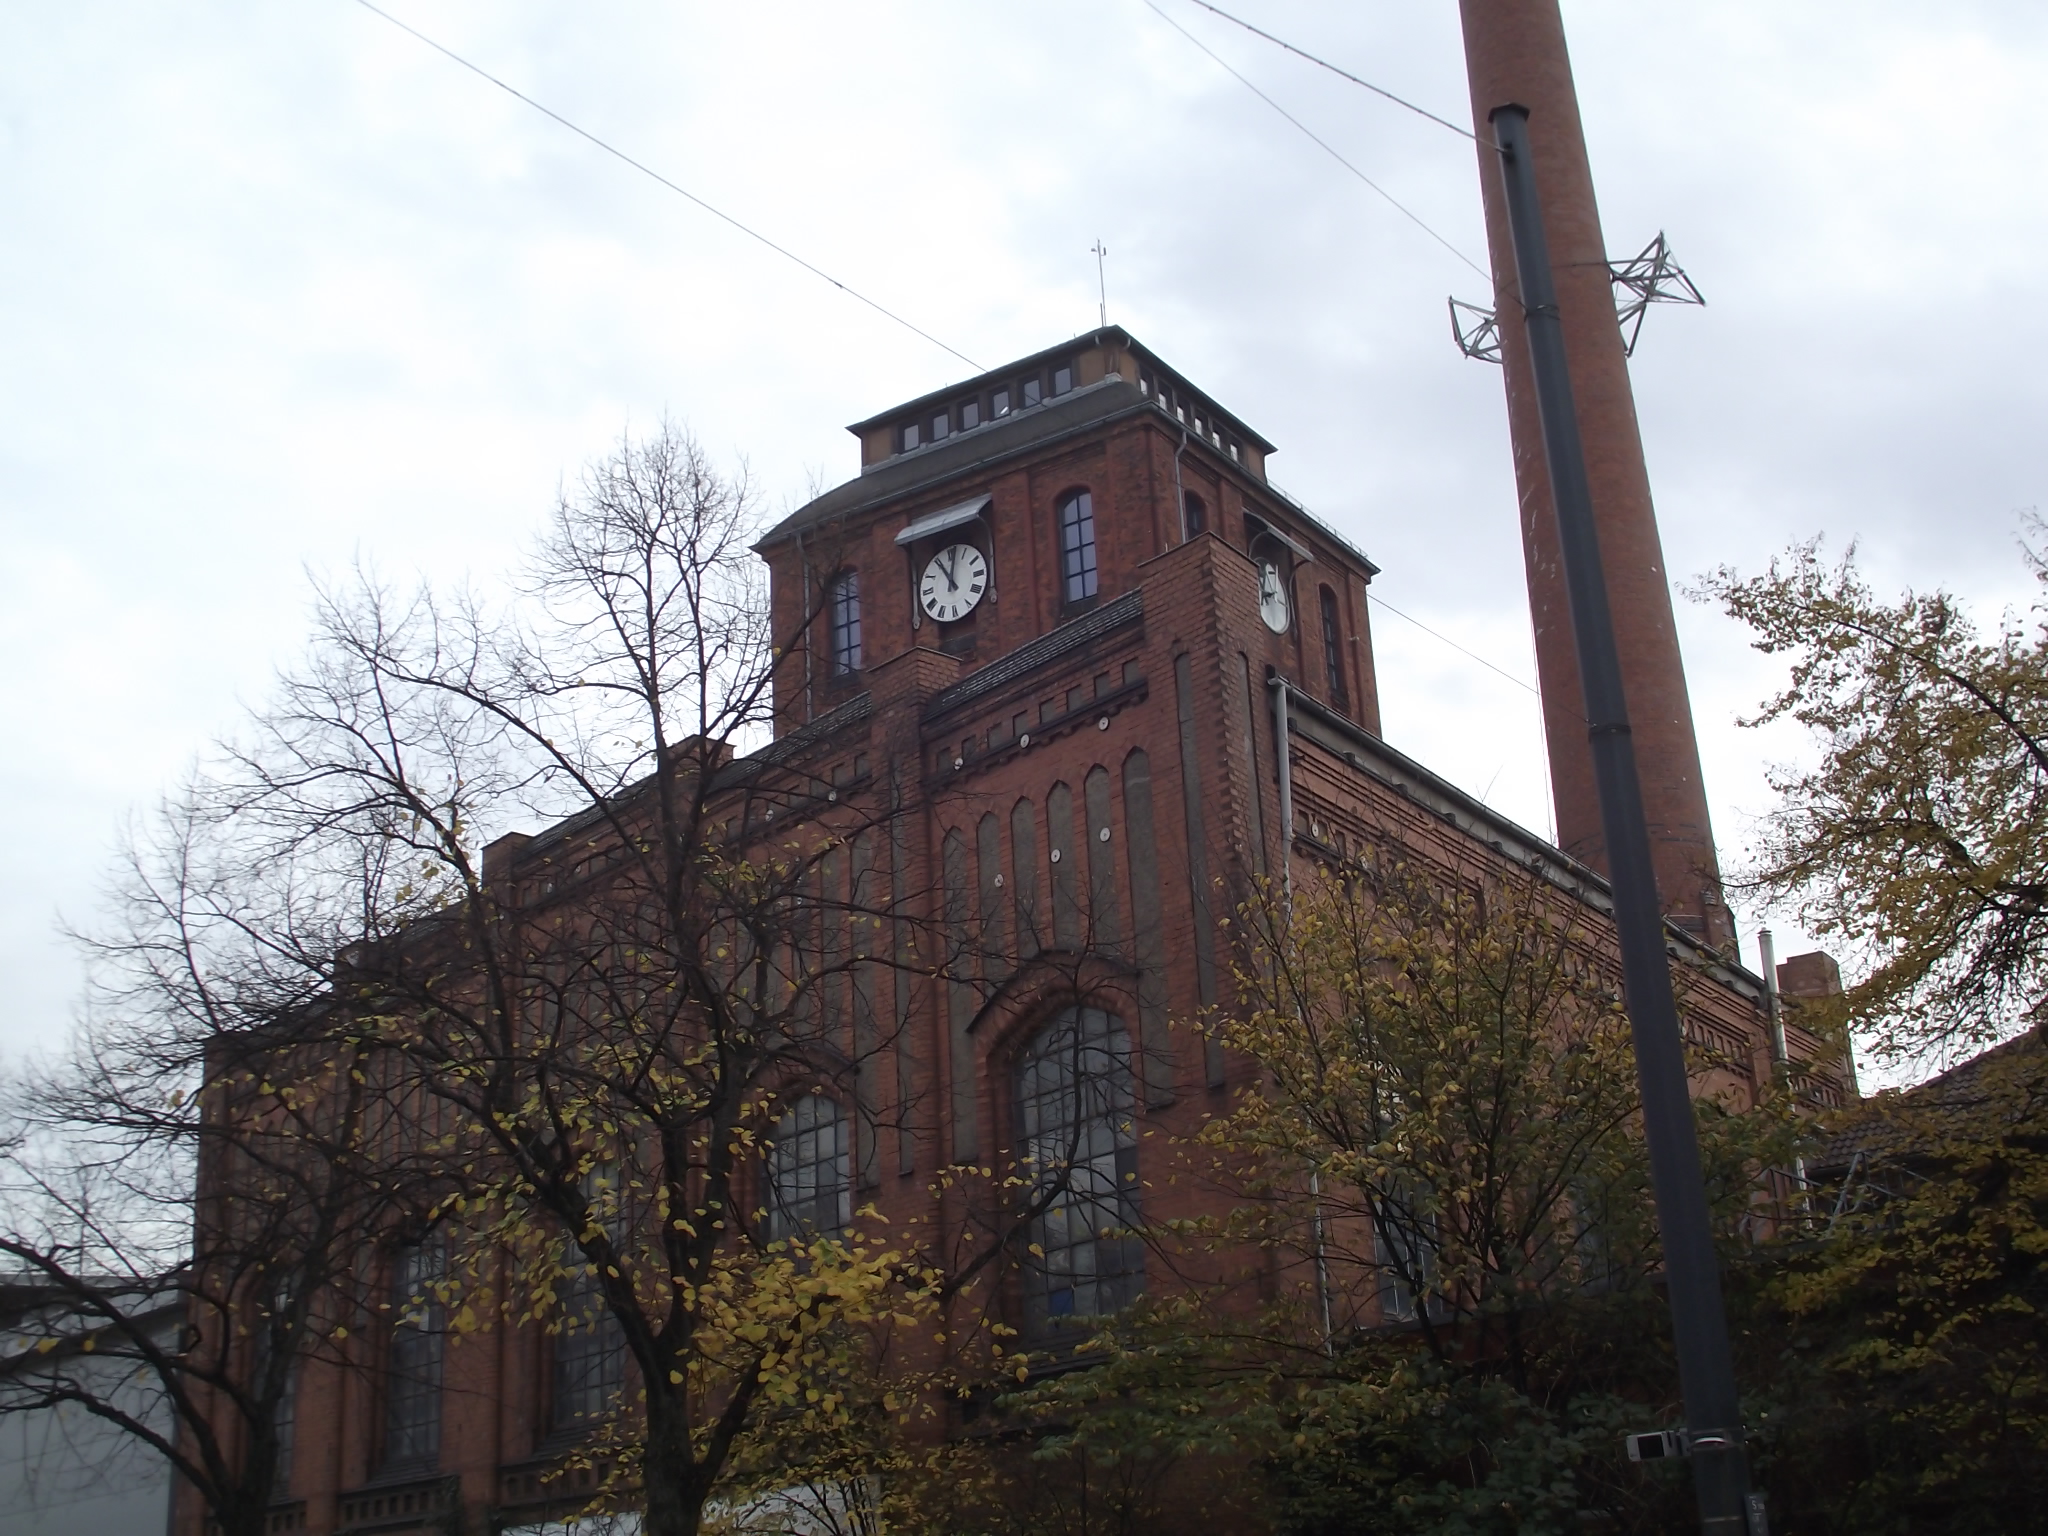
x=943, y=519
x=953, y=582
x=1258, y=527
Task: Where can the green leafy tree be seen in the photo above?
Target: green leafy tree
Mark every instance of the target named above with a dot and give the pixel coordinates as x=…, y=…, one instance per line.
x=1919, y=837
x=1908, y=1343
x=1441, y=1185
x=1897, y=1338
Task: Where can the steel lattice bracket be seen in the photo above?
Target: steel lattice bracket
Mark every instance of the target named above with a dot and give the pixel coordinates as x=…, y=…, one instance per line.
x=1651, y=277
x=1481, y=339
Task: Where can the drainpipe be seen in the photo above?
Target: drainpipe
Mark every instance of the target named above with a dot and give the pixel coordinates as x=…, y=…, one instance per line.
x=810, y=628
x=1180, y=497
x=1781, y=1059
x=1767, y=953
x=1283, y=761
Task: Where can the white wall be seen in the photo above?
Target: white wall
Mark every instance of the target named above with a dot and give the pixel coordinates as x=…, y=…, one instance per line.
x=64, y=1472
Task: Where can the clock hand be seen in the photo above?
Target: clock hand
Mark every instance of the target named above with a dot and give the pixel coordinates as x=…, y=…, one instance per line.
x=952, y=579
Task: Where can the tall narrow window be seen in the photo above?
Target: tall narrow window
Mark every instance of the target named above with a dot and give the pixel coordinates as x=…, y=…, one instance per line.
x=909, y=436
x=810, y=1190
x=942, y=426
x=1077, y=545
x=1194, y=516
x=283, y=1412
x=1062, y=378
x=970, y=414
x=999, y=402
x=1034, y=390
x=412, y=1386
x=1404, y=1249
x=1333, y=651
x=590, y=1355
x=1080, y=1147
x=284, y=1424
x=843, y=600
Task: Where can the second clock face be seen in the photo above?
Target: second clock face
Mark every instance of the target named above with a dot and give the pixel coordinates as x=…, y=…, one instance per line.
x=1273, y=598
x=953, y=582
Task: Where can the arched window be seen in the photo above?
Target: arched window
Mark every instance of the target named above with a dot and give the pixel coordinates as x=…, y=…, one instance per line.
x=1077, y=545
x=843, y=608
x=1080, y=1145
x=1333, y=651
x=809, y=1184
x=1194, y=517
x=412, y=1383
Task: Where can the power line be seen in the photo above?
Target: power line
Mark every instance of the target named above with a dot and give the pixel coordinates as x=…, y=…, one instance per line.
x=645, y=170
x=1406, y=212
x=1303, y=53
x=1447, y=640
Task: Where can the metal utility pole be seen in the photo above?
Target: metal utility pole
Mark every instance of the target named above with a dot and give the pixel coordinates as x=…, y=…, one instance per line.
x=1699, y=1324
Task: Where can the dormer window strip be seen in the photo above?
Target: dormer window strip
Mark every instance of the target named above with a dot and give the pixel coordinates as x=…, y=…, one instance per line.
x=1189, y=410
x=987, y=405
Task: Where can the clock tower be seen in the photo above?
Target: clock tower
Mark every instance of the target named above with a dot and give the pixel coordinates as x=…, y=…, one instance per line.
x=990, y=515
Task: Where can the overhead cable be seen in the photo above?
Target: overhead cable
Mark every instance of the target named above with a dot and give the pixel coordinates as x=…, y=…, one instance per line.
x=1303, y=53
x=1402, y=208
x=1447, y=640
x=645, y=170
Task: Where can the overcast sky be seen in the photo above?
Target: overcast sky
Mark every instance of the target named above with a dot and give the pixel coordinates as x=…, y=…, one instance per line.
x=280, y=287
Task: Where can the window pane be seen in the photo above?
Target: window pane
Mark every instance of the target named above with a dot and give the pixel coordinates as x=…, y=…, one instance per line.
x=1077, y=545
x=1080, y=1145
x=942, y=427
x=1333, y=648
x=810, y=1190
x=1196, y=517
x=590, y=1354
x=1062, y=379
x=412, y=1396
x=909, y=436
x=970, y=414
x=999, y=402
x=284, y=1422
x=845, y=619
x=1033, y=391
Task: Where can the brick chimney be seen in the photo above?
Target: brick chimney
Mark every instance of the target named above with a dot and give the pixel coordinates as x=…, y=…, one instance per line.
x=1515, y=52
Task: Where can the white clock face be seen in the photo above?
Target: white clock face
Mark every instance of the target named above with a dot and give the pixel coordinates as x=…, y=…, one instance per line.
x=953, y=582
x=1273, y=597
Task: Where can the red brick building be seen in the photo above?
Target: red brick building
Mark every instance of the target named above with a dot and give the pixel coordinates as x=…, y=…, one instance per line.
x=1113, y=674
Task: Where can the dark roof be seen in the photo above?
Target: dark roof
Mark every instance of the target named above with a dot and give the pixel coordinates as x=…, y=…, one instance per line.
x=1110, y=335
x=964, y=452
x=811, y=733
x=1070, y=636
x=1894, y=1125
x=738, y=771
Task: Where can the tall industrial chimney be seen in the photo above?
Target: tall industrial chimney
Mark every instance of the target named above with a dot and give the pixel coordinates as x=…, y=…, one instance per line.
x=1515, y=52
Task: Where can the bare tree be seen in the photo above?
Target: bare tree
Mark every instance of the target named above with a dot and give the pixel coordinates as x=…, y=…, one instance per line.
x=563, y=1061
x=214, y=1058
x=611, y=1019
